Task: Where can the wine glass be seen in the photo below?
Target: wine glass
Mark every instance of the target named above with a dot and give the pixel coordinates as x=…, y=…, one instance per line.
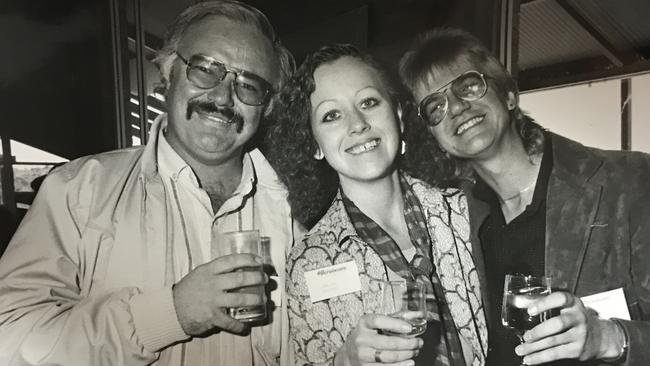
x=405, y=300
x=519, y=292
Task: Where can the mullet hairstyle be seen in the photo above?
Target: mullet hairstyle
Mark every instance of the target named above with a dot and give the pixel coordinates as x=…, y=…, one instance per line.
x=440, y=49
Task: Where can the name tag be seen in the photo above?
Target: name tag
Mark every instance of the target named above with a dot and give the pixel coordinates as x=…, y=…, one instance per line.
x=339, y=279
x=608, y=304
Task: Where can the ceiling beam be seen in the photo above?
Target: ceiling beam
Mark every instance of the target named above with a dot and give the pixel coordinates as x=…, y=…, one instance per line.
x=617, y=56
x=574, y=72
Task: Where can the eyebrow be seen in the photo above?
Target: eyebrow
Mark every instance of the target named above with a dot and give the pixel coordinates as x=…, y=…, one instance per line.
x=315, y=108
x=374, y=88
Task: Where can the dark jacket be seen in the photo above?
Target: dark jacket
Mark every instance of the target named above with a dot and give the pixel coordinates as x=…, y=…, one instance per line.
x=597, y=230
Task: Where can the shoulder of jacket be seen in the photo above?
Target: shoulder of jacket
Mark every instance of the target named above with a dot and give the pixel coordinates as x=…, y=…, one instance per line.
x=107, y=163
x=424, y=190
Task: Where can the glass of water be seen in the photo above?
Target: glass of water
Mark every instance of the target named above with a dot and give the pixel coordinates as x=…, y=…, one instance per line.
x=244, y=242
x=405, y=300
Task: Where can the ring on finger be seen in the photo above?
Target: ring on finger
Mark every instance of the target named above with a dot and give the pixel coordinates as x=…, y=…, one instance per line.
x=378, y=356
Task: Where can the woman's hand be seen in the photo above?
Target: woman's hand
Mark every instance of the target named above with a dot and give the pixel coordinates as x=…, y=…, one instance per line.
x=365, y=346
x=576, y=333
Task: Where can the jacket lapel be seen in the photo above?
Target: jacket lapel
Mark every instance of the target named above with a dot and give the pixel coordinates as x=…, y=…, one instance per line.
x=335, y=232
x=335, y=221
x=449, y=230
x=572, y=201
x=478, y=212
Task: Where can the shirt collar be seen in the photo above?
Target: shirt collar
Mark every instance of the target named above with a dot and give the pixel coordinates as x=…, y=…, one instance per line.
x=244, y=190
x=483, y=192
x=248, y=177
x=170, y=164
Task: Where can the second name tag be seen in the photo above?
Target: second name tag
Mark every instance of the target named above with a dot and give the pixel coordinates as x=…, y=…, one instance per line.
x=608, y=304
x=339, y=279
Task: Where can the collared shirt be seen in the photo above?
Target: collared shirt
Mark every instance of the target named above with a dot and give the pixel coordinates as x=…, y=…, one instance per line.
x=514, y=247
x=97, y=246
x=193, y=226
x=192, y=209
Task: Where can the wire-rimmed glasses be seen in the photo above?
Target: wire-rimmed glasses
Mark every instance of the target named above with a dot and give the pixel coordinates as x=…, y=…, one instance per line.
x=469, y=86
x=204, y=72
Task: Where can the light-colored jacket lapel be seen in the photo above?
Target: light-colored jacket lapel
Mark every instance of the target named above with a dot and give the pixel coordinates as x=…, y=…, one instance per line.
x=448, y=224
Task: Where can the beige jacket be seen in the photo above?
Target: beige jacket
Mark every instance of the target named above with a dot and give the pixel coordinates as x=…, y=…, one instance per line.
x=87, y=269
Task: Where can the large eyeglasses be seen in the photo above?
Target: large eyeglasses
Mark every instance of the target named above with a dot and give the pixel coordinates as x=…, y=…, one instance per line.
x=469, y=86
x=205, y=72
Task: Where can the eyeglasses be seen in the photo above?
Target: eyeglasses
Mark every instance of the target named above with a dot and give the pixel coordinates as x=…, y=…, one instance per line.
x=468, y=86
x=205, y=72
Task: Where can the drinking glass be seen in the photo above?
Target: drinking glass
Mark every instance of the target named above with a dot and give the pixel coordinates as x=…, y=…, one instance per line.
x=265, y=254
x=519, y=292
x=405, y=300
x=237, y=242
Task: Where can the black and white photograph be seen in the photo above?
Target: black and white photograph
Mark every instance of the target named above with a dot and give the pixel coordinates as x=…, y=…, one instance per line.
x=325, y=183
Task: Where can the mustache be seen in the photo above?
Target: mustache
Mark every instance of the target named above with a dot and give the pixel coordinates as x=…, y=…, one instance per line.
x=207, y=107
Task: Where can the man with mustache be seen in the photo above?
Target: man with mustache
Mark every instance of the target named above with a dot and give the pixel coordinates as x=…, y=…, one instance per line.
x=114, y=262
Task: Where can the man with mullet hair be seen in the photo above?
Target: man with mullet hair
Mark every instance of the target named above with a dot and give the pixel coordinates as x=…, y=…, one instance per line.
x=539, y=204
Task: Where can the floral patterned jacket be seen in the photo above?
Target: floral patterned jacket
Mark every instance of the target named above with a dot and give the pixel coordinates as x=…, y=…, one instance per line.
x=319, y=329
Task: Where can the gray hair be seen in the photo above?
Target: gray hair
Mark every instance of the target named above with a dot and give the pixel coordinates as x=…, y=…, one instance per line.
x=230, y=9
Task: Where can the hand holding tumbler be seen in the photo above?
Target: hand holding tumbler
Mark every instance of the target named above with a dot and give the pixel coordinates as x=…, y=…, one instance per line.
x=247, y=242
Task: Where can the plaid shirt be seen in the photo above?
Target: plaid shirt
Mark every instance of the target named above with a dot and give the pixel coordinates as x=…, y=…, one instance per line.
x=448, y=352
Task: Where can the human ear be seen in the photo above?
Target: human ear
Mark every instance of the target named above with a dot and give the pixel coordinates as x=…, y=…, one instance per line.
x=398, y=111
x=511, y=101
x=318, y=155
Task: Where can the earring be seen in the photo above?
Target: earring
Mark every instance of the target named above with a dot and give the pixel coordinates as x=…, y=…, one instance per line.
x=403, y=149
x=511, y=101
x=318, y=155
x=444, y=152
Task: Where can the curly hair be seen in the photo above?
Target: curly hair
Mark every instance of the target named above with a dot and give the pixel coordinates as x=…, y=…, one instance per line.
x=442, y=48
x=290, y=144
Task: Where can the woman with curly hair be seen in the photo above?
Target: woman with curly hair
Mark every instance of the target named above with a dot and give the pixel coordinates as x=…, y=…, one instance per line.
x=338, y=144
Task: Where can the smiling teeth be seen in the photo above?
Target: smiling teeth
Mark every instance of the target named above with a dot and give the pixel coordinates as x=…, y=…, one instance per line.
x=215, y=118
x=469, y=124
x=358, y=149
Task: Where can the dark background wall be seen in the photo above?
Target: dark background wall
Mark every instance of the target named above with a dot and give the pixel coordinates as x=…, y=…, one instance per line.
x=56, y=85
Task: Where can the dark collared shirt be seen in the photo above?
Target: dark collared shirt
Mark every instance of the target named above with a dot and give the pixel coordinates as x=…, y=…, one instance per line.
x=514, y=247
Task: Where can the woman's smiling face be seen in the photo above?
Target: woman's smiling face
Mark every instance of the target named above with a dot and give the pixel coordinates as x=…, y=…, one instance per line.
x=353, y=120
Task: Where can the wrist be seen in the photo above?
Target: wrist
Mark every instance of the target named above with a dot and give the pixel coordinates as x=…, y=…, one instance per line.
x=617, y=352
